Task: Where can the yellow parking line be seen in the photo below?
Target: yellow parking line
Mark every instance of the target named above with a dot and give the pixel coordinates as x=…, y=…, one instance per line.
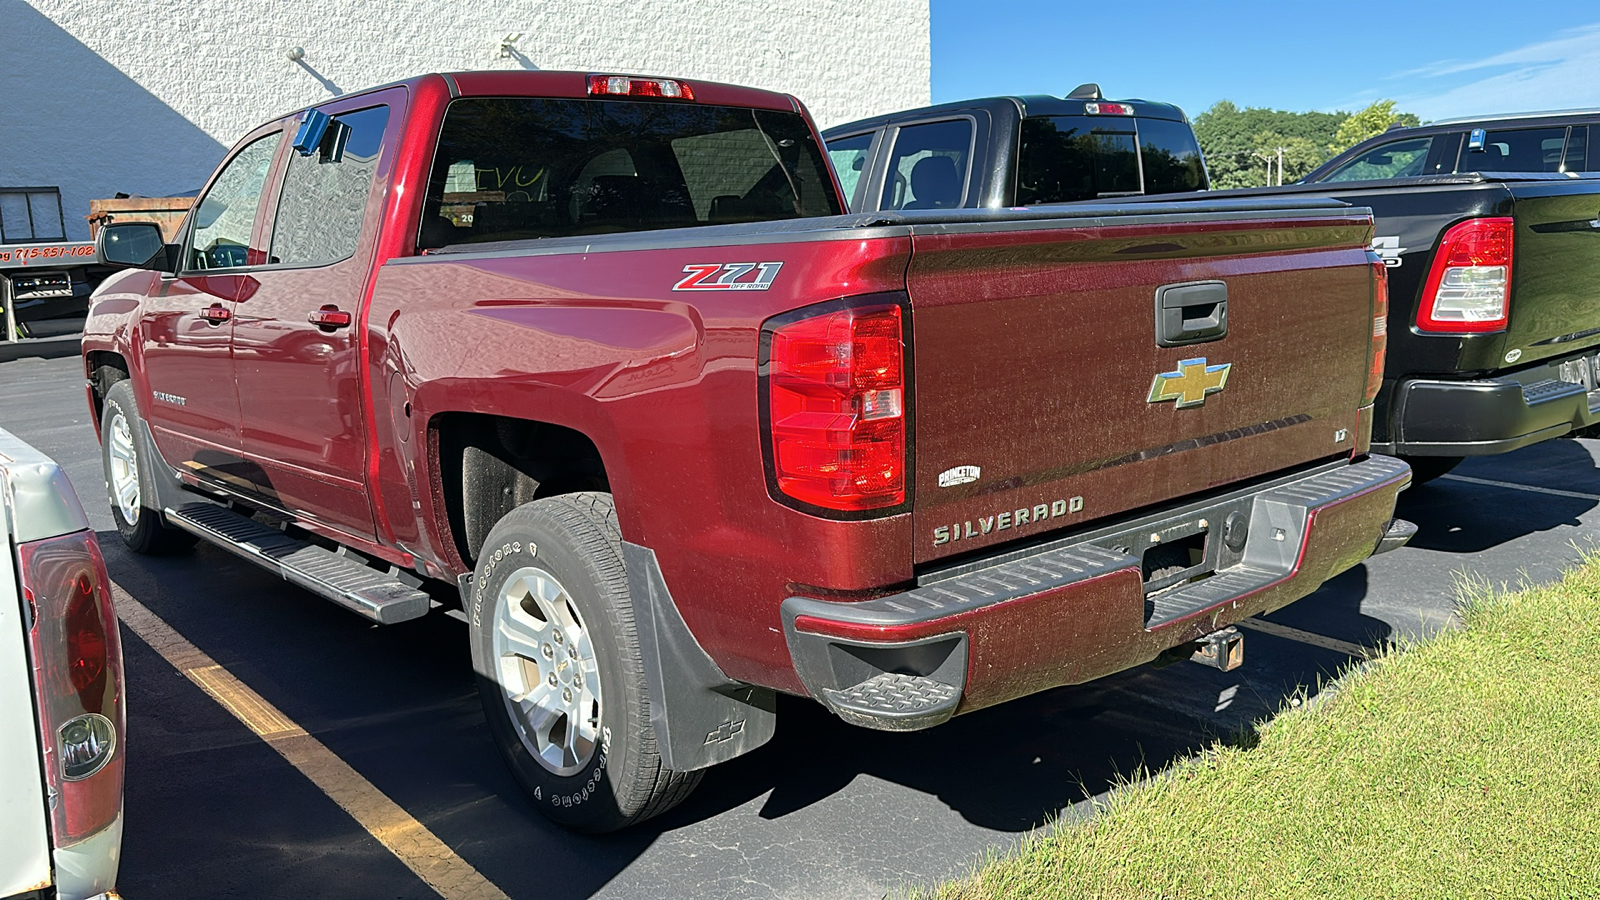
x=409, y=840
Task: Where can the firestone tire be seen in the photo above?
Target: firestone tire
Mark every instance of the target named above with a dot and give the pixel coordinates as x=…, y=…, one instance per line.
x=142, y=528
x=559, y=669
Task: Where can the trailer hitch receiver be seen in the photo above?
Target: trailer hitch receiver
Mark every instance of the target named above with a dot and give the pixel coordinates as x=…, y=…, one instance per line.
x=1220, y=649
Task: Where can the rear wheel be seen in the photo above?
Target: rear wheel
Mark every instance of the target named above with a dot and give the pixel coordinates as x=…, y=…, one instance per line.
x=559, y=668
x=142, y=528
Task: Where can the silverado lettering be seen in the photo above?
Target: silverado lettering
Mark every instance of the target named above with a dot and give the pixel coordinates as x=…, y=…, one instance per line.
x=1037, y=514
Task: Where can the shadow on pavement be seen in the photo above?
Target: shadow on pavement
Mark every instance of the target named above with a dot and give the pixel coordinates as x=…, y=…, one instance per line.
x=1017, y=766
x=1456, y=516
x=398, y=704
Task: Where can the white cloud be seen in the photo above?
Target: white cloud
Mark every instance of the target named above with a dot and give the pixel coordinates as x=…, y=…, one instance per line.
x=1560, y=73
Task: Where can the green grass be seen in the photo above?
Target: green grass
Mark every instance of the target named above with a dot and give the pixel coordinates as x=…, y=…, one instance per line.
x=1464, y=767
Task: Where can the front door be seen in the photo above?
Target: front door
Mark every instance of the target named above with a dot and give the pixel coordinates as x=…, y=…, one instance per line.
x=187, y=322
x=296, y=346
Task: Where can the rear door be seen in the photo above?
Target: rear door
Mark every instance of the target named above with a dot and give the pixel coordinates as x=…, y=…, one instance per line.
x=296, y=336
x=1043, y=399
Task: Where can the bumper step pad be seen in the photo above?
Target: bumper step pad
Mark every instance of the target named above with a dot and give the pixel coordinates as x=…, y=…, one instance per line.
x=895, y=702
x=346, y=580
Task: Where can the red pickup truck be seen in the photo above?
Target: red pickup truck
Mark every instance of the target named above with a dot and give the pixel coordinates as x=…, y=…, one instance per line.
x=602, y=359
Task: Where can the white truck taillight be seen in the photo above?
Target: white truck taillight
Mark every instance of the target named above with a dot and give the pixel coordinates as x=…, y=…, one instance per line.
x=834, y=388
x=77, y=678
x=1379, y=352
x=1469, y=286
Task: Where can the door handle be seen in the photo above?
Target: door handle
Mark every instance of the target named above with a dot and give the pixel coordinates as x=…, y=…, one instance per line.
x=216, y=314
x=329, y=317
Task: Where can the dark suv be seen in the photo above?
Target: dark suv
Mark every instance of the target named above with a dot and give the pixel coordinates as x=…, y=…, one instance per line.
x=1532, y=142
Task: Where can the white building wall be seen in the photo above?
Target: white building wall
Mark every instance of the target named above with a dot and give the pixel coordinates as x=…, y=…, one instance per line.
x=144, y=96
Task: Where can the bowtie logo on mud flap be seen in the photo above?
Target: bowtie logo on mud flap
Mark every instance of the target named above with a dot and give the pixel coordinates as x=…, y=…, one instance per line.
x=725, y=732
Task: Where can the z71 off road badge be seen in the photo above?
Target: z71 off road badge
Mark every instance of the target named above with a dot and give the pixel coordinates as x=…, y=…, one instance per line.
x=1191, y=384
x=728, y=276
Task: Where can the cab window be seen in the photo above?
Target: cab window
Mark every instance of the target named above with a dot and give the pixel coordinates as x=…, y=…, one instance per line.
x=928, y=169
x=224, y=217
x=1575, y=159
x=1171, y=157
x=325, y=192
x=1396, y=159
x=1068, y=158
x=528, y=168
x=849, y=158
x=1517, y=150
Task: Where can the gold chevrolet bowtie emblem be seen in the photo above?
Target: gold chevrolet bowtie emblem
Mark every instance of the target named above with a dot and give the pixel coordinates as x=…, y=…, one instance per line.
x=1191, y=384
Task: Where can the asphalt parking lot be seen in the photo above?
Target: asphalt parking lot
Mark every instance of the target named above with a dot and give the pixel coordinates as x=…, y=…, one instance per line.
x=825, y=810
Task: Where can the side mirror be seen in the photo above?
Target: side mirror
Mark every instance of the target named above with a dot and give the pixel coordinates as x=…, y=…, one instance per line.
x=134, y=245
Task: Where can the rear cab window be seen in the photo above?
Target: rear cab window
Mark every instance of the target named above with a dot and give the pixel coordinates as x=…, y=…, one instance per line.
x=521, y=168
x=1082, y=157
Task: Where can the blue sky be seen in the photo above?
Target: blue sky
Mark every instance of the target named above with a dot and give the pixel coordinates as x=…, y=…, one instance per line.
x=1438, y=60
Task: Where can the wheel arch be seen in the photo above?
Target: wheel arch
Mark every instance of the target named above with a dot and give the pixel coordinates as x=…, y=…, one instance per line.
x=483, y=464
x=103, y=368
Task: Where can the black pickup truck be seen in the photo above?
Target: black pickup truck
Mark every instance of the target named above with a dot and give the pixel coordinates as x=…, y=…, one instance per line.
x=1494, y=316
x=1000, y=152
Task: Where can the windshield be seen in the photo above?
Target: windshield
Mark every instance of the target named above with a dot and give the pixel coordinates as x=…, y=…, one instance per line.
x=516, y=168
x=1067, y=158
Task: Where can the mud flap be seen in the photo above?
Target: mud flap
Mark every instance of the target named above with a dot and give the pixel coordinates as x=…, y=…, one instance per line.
x=700, y=716
x=159, y=484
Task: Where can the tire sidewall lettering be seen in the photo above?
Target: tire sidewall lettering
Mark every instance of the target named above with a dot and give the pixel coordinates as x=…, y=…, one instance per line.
x=591, y=784
x=487, y=565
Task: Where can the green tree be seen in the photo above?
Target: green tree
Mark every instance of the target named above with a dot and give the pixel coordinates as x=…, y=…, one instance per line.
x=1370, y=122
x=1297, y=155
x=1231, y=137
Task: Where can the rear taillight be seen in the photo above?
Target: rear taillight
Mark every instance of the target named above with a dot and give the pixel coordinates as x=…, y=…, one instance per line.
x=1469, y=286
x=1379, y=348
x=629, y=86
x=77, y=667
x=836, y=408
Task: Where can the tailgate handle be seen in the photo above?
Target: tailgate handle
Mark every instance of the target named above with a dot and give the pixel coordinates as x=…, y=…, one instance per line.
x=1191, y=313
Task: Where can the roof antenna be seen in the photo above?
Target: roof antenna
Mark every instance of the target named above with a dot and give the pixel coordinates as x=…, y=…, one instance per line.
x=1086, y=91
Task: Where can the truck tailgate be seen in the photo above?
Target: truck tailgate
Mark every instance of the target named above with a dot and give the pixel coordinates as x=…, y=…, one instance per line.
x=1035, y=354
x=1554, y=268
